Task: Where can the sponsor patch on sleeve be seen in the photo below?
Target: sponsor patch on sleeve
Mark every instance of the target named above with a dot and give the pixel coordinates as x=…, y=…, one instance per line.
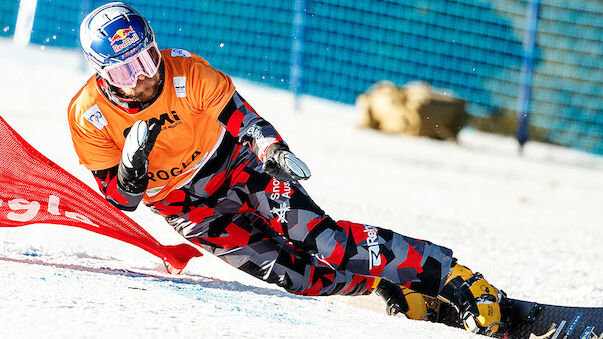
x=180, y=86
x=96, y=117
x=176, y=52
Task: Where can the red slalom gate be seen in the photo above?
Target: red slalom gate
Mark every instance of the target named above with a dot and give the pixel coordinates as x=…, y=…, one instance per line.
x=33, y=189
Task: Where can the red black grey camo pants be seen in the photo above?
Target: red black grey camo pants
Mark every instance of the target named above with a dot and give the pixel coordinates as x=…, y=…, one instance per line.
x=274, y=231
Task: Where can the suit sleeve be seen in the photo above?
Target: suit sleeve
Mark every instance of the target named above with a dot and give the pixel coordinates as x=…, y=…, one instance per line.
x=242, y=122
x=93, y=147
x=215, y=94
x=107, y=183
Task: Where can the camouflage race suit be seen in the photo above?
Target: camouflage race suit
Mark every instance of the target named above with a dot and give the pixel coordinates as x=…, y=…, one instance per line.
x=274, y=231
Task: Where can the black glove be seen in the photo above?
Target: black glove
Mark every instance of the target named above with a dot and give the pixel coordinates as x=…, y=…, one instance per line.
x=284, y=165
x=394, y=297
x=132, y=170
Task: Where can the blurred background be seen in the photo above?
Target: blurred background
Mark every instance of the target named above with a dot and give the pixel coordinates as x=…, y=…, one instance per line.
x=530, y=68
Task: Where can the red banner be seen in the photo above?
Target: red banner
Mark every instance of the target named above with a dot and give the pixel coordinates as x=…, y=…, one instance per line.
x=34, y=189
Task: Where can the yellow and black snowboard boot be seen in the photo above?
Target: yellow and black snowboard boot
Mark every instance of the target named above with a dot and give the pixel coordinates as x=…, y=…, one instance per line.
x=474, y=298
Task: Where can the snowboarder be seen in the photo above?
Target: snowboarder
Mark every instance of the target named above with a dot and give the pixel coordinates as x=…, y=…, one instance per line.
x=165, y=128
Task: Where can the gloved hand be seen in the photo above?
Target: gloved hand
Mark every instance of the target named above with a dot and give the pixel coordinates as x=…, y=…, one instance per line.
x=284, y=165
x=395, y=300
x=132, y=170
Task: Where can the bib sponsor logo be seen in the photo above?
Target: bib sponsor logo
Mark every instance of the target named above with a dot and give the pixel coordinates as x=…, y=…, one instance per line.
x=166, y=120
x=123, y=38
x=180, y=86
x=178, y=170
x=373, y=246
x=95, y=117
x=177, y=52
x=22, y=210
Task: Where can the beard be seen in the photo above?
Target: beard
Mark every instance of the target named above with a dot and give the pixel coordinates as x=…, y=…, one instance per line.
x=145, y=90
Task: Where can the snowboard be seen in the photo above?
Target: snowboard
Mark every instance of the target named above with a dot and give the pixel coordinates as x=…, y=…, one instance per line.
x=530, y=320
x=526, y=319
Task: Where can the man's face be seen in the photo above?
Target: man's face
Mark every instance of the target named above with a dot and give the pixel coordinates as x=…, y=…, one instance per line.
x=145, y=90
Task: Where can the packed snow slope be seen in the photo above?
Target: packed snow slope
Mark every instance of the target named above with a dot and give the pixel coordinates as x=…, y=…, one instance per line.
x=533, y=225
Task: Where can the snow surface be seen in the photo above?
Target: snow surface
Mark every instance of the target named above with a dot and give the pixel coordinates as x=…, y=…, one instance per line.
x=532, y=225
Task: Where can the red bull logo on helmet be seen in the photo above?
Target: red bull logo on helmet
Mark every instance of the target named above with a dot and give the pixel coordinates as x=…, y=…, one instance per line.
x=123, y=38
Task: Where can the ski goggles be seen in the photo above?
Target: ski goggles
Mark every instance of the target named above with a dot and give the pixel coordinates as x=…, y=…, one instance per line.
x=125, y=75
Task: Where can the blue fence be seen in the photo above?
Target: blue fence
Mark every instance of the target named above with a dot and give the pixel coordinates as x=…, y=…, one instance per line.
x=8, y=17
x=471, y=47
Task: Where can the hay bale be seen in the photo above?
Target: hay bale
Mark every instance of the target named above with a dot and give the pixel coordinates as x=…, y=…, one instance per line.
x=415, y=110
